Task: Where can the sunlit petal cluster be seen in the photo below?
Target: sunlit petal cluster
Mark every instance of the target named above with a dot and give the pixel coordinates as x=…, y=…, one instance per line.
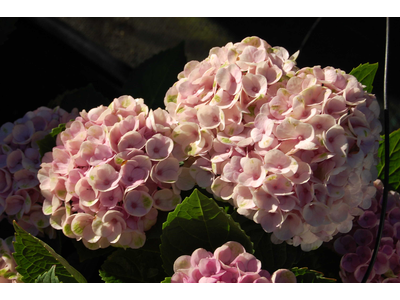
x=293, y=149
x=113, y=168
x=20, y=197
x=229, y=263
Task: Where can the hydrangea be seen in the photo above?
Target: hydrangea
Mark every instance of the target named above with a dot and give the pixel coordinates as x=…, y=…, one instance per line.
x=8, y=273
x=293, y=149
x=358, y=245
x=113, y=168
x=229, y=263
x=20, y=197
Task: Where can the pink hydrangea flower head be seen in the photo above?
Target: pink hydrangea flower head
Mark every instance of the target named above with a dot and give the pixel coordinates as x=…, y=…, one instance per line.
x=229, y=263
x=113, y=168
x=20, y=160
x=306, y=137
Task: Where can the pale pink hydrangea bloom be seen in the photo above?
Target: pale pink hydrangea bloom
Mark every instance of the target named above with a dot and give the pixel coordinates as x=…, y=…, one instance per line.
x=293, y=149
x=113, y=168
x=8, y=273
x=357, y=246
x=229, y=263
x=20, y=197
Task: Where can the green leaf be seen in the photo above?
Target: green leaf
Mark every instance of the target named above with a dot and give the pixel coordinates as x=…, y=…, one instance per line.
x=82, y=98
x=152, y=79
x=394, y=160
x=34, y=257
x=166, y=280
x=48, y=277
x=109, y=278
x=49, y=141
x=133, y=265
x=365, y=74
x=304, y=275
x=198, y=222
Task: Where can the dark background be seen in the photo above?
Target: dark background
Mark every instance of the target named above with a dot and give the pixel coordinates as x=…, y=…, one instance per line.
x=41, y=58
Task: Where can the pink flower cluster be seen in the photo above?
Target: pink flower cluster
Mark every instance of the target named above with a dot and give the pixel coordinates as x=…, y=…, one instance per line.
x=229, y=263
x=8, y=273
x=293, y=149
x=20, y=197
x=113, y=168
x=358, y=245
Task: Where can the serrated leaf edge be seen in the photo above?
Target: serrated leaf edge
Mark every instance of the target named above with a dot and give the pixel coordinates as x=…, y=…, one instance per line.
x=174, y=213
x=71, y=270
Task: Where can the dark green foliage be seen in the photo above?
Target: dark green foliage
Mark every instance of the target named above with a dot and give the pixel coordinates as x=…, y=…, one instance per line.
x=198, y=222
x=394, y=159
x=133, y=265
x=304, y=275
x=48, y=277
x=34, y=257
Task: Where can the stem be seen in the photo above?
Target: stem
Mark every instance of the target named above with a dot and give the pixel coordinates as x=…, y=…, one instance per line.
x=386, y=172
x=309, y=33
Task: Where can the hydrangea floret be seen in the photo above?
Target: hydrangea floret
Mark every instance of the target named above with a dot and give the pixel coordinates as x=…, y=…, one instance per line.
x=8, y=273
x=229, y=263
x=358, y=245
x=113, y=168
x=20, y=197
x=293, y=149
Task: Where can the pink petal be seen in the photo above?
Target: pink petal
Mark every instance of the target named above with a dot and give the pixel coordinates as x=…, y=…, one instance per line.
x=137, y=203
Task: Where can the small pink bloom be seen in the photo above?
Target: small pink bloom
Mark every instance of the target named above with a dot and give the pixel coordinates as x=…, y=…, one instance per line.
x=166, y=200
x=302, y=133
x=291, y=226
x=14, y=160
x=230, y=79
x=363, y=237
x=135, y=171
x=137, y=203
x=271, y=73
x=222, y=188
x=103, y=178
x=279, y=163
x=5, y=181
x=209, y=117
x=278, y=185
x=283, y=276
x=254, y=85
x=368, y=219
x=131, y=140
x=159, y=147
x=166, y=170
x=269, y=220
x=22, y=133
x=228, y=252
x=112, y=197
x=316, y=214
x=87, y=195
